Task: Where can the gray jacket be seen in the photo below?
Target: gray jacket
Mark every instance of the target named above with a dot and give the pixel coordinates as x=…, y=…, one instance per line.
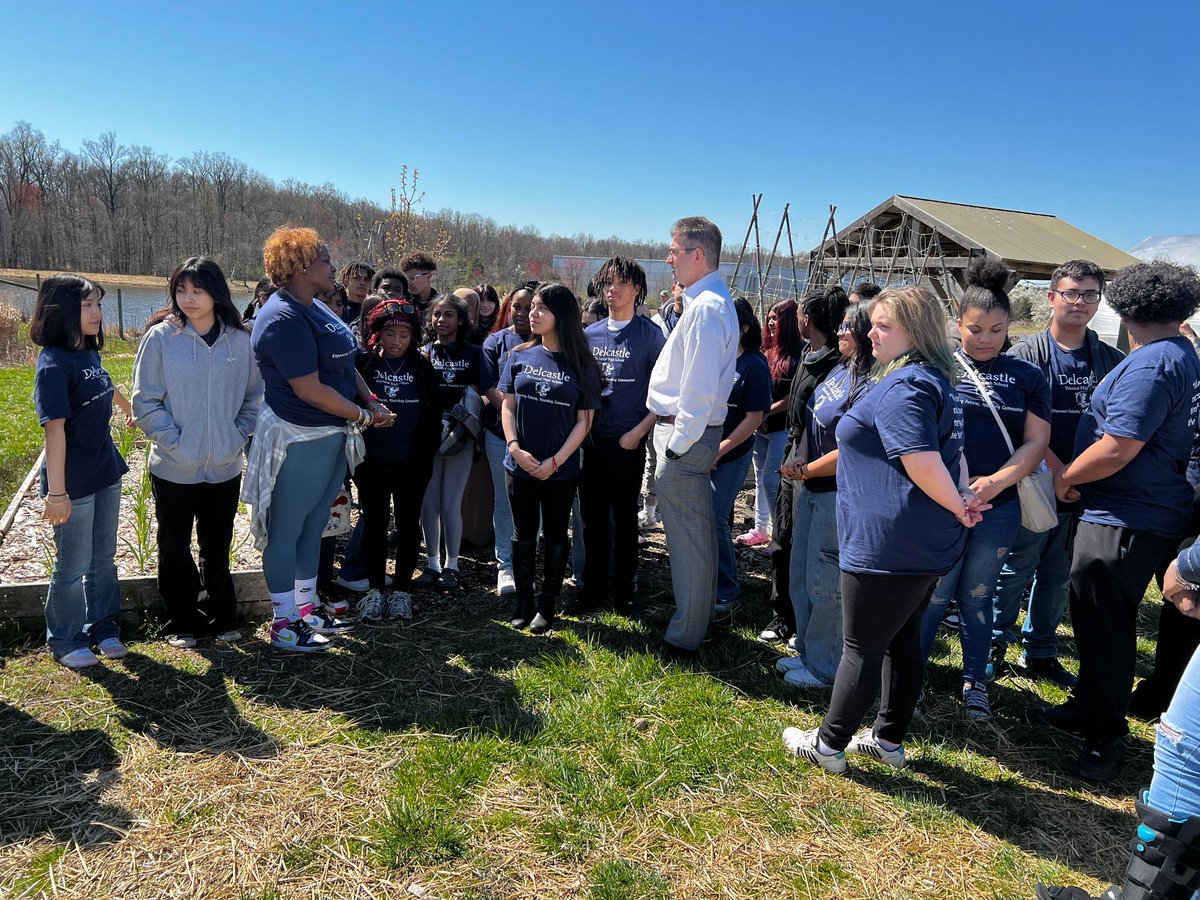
x=197, y=404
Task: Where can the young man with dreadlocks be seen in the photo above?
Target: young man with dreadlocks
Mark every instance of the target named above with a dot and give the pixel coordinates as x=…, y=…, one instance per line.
x=626, y=346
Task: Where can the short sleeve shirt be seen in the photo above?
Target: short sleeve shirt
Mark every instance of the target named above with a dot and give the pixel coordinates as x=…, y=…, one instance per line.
x=492, y=359
x=291, y=340
x=886, y=524
x=626, y=358
x=395, y=383
x=73, y=385
x=548, y=398
x=456, y=366
x=825, y=409
x=751, y=393
x=1151, y=396
x=1017, y=387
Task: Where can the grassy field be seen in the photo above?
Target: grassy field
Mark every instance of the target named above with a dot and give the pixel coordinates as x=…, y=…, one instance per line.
x=21, y=439
x=456, y=757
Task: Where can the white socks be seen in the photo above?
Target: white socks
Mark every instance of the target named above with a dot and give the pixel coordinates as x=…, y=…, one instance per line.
x=284, y=605
x=306, y=595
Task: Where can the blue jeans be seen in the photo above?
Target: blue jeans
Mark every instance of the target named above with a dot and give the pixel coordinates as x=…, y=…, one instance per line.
x=727, y=480
x=309, y=479
x=84, y=597
x=1175, y=787
x=816, y=581
x=502, y=520
x=768, y=457
x=971, y=583
x=1046, y=558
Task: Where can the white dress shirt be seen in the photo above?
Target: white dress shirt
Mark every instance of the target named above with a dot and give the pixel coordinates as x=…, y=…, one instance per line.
x=695, y=371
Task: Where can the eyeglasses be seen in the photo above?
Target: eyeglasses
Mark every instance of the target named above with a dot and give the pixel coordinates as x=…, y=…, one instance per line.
x=676, y=251
x=413, y=276
x=1091, y=298
x=844, y=328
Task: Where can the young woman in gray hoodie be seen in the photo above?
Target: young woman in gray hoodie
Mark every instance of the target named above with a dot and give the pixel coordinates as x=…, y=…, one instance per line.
x=196, y=394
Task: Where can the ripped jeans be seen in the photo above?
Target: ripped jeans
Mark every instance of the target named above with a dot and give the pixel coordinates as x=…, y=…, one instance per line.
x=971, y=584
x=1175, y=788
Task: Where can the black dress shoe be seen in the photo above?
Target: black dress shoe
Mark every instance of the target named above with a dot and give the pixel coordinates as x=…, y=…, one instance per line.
x=668, y=652
x=1046, y=668
x=1065, y=717
x=1100, y=761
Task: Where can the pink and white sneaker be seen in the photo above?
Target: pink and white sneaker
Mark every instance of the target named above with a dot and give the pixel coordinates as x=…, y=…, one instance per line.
x=755, y=537
x=296, y=636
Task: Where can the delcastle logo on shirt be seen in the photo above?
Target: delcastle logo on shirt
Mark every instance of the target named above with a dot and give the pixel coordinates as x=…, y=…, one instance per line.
x=389, y=384
x=1082, y=385
x=607, y=357
x=449, y=368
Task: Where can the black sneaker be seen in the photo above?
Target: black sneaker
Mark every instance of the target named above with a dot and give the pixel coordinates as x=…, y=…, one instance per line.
x=997, y=667
x=449, y=580
x=776, y=632
x=428, y=580
x=1101, y=760
x=1046, y=668
x=1065, y=717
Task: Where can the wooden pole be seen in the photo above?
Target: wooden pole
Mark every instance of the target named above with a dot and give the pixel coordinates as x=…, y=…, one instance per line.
x=757, y=198
x=120, y=317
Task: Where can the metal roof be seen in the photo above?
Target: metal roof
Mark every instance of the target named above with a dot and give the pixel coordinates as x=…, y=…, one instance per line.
x=1037, y=239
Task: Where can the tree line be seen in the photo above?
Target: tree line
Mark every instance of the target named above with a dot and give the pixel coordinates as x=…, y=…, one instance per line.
x=118, y=208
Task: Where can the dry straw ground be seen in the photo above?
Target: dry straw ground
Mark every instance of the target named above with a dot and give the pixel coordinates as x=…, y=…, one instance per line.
x=455, y=757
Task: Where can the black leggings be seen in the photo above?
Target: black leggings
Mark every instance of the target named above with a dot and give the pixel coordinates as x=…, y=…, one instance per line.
x=380, y=489
x=547, y=503
x=881, y=623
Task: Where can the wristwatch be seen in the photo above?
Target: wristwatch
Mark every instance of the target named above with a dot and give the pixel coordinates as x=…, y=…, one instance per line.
x=671, y=454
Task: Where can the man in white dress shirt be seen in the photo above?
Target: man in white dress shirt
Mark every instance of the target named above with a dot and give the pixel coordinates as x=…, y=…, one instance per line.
x=689, y=389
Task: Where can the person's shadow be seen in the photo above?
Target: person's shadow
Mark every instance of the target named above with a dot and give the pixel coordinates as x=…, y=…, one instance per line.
x=51, y=781
x=180, y=709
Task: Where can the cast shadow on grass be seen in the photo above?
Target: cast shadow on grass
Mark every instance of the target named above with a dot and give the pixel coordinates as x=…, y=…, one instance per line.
x=444, y=677
x=51, y=781
x=181, y=710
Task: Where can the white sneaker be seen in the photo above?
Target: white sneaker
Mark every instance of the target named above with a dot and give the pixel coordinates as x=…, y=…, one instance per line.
x=399, y=605
x=112, y=648
x=79, y=659
x=296, y=636
x=866, y=744
x=804, y=745
x=336, y=607
x=322, y=623
x=790, y=663
x=228, y=637
x=505, y=583
x=370, y=607
x=803, y=678
x=648, y=518
x=181, y=641
x=791, y=644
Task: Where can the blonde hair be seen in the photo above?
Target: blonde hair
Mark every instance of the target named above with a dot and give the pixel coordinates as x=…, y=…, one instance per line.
x=920, y=316
x=290, y=250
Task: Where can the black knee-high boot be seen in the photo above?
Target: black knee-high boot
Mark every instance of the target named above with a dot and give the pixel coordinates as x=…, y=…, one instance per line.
x=524, y=555
x=553, y=572
x=1164, y=865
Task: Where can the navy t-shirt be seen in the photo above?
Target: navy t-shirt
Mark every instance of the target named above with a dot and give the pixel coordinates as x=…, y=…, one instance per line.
x=751, y=393
x=72, y=385
x=1150, y=396
x=825, y=409
x=492, y=359
x=291, y=340
x=548, y=396
x=1017, y=387
x=626, y=357
x=886, y=524
x=456, y=366
x=1072, y=380
x=395, y=383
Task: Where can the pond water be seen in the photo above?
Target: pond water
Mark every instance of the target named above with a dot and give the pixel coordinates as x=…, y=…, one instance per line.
x=137, y=303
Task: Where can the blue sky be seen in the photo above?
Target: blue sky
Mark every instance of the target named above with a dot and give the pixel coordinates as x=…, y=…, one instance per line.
x=616, y=118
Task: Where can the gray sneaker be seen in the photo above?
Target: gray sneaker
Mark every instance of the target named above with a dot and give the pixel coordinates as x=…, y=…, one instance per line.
x=370, y=607
x=399, y=605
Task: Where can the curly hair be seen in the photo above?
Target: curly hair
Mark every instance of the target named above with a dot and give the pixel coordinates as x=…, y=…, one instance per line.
x=825, y=310
x=1155, y=292
x=288, y=251
x=986, y=279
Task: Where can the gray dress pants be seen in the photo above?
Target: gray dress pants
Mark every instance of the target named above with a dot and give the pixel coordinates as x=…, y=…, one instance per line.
x=685, y=506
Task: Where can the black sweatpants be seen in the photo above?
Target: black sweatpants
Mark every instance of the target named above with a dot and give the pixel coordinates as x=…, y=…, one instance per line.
x=1111, y=568
x=199, y=600
x=881, y=649
x=380, y=490
x=609, y=484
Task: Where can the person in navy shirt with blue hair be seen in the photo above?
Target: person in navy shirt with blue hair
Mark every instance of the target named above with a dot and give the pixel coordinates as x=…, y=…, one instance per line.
x=902, y=510
x=551, y=388
x=626, y=347
x=1129, y=473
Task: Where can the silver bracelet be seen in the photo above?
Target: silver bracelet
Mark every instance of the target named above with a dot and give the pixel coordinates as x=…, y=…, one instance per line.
x=1179, y=577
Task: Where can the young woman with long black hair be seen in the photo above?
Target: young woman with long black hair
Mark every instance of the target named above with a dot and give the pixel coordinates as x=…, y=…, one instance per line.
x=196, y=395
x=551, y=387
x=81, y=473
